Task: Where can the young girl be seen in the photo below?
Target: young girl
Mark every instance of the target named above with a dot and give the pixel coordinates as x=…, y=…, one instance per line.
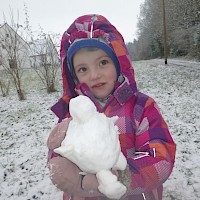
x=96, y=63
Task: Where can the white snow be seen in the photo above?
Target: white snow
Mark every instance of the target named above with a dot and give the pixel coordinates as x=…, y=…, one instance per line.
x=25, y=125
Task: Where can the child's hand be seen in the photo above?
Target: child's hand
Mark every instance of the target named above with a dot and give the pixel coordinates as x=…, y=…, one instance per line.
x=90, y=182
x=66, y=176
x=57, y=135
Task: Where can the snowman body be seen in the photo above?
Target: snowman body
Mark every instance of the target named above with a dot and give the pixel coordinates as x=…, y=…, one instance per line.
x=92, y=143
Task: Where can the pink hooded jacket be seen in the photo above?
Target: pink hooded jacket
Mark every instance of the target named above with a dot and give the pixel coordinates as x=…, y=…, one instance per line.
x=144, y=136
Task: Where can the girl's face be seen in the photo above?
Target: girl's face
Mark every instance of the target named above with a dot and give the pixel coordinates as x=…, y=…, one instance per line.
x=97, y=70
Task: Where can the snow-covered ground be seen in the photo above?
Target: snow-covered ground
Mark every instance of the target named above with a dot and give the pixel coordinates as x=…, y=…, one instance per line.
x=25, y=125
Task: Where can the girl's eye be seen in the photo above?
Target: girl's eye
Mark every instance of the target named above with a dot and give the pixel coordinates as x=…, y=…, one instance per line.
x=103, y=62
x=81, y=70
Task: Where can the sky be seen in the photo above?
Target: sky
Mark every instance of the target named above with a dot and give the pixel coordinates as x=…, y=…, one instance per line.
x=56, y=16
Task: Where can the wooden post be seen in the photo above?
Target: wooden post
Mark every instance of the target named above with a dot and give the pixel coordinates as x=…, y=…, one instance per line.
x=164, y=31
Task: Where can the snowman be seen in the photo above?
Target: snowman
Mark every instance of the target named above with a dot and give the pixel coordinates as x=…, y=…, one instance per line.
x=92, y=143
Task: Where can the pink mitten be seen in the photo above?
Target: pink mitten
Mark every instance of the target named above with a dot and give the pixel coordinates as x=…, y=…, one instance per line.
x=65, y=175
x=90, y=182
x=57, y=135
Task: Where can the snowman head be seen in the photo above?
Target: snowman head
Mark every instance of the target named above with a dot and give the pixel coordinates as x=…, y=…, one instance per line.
x=81, y=108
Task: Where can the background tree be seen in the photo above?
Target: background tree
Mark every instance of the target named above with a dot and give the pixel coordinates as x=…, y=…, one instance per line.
x=4, y=86
x=183, y=21
x=44, y=56
x=45, y=61
x=13, y=54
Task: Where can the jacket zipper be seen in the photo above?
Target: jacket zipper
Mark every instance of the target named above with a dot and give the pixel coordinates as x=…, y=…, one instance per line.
x=143, y=196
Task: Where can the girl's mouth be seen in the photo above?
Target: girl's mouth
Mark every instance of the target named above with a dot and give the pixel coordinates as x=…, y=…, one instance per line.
x=98, y=85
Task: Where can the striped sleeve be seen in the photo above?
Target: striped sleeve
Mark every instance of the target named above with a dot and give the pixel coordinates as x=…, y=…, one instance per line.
x=154, y=151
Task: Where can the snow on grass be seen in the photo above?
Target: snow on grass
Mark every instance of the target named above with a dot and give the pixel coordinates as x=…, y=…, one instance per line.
x=177, y=91
x=25, y=125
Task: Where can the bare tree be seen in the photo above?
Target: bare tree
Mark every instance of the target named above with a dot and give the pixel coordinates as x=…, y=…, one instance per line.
x=4, y=80
x=14, y=54
x=43, y=54
x=45, y=61
x=4, y=86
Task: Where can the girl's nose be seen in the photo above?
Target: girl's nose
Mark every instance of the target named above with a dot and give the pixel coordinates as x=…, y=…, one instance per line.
x=95, y=74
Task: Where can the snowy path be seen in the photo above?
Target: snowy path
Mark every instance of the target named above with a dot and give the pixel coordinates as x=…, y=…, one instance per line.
x=183, y=63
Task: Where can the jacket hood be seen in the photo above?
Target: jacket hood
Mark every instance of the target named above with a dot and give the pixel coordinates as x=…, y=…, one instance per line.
x=93, y=26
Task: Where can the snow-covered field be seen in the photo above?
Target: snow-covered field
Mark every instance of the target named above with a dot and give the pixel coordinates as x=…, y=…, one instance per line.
x=25, y=125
